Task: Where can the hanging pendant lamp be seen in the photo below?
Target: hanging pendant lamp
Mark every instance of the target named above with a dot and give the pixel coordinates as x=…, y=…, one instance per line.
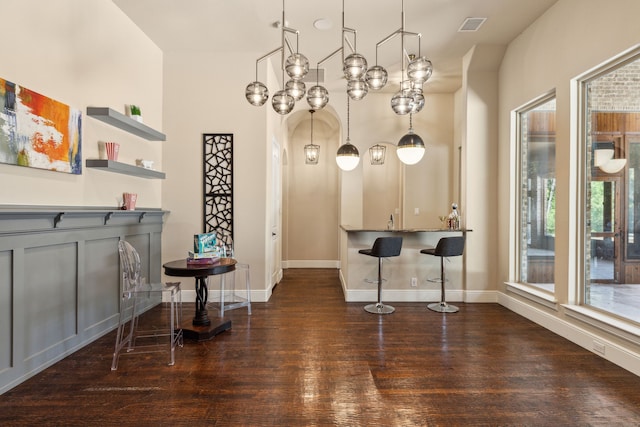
x=347, y=156
x=411, y=147
x=311, y=150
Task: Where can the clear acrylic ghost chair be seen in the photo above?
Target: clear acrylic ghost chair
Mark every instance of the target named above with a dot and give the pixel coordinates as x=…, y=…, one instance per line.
x=230, y=298
x=136, y=298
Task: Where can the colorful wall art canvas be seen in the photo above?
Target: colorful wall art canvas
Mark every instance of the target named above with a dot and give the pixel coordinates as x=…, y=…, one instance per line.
x=38, y=132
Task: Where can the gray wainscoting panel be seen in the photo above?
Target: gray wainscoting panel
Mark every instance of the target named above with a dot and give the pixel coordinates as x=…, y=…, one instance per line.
x=48, y=314
x=99, y=292
x=6, y=321
x=60, y=280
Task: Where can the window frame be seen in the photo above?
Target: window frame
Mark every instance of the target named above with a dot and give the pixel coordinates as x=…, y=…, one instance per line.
x=517, y=265
x=577, y=287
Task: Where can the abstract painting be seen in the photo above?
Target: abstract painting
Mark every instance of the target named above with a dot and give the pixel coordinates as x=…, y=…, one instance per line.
x=38, y=132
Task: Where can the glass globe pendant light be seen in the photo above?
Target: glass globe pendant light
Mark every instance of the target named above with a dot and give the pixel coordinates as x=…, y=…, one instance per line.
x=295, y=88
x=256, y=93
x=403, y=102
x=282, y=102
x=411, y=147
x=376, y=77
x=354, y=67
x=297, y=66
x=357, y=89
x=317, y=97
x=347, y=156
x=418, y=100
x=419, y=70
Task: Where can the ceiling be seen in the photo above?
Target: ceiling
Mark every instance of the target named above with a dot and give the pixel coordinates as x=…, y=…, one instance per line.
x=248, y=26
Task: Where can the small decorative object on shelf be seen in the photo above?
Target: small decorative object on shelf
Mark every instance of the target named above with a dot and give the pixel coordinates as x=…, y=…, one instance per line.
x=112, y=149
x=453, y=222
x=129, y=201
x=135, y=113
x=147, y=164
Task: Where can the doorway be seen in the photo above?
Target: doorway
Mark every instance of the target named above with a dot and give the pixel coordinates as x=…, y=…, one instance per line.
x=311, y=193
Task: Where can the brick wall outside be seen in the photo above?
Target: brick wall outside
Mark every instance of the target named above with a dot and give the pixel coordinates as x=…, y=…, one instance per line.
x=618, y=90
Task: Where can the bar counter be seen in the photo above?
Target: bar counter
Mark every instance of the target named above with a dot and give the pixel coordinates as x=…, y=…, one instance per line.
x=358, y=273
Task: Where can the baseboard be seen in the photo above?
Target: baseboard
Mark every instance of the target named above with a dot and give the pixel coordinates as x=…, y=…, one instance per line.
x=615, y=353
x=261, y=295
x=319, y=263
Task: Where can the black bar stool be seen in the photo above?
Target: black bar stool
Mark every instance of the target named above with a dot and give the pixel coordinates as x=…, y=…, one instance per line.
x=383, y=247
x=446, y=247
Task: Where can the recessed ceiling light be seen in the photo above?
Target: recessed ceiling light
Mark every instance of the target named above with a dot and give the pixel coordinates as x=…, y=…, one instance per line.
x=323, y=24
x=471, y=24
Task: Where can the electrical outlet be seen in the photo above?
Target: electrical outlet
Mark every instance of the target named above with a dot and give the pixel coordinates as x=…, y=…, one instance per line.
x=416, y=211
x=598, y=347
x=414, y=282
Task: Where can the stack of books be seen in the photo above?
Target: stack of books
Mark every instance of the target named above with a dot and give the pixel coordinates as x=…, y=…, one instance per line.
x=204, y=250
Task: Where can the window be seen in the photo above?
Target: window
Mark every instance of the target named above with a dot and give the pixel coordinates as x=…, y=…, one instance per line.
x=611, y=186
x=537, y=192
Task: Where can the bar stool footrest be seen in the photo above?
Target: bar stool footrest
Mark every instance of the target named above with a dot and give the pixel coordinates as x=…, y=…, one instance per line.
x=443, y=307
x=379, y=308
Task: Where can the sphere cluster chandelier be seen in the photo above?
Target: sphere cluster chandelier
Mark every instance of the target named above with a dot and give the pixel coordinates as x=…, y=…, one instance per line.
x=360, y=79
x=410, y=98
x=296, y=67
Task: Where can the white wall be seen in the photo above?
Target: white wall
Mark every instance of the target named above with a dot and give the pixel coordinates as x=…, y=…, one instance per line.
x=311, y=228
x=572, y=37
x=430, y=189
x=479, y=157
x=83, y=54
x=205, y=95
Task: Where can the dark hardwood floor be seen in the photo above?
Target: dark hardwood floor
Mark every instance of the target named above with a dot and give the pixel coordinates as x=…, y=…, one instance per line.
x=307, y=358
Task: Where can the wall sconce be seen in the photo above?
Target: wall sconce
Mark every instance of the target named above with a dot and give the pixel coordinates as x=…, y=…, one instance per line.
x=377, y=154
x=603, y=158
x=311, y=150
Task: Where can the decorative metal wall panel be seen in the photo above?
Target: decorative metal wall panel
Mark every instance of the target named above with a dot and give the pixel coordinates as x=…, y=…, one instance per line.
x=218, y=184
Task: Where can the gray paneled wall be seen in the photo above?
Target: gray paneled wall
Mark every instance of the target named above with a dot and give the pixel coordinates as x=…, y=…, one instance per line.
x=60, y=280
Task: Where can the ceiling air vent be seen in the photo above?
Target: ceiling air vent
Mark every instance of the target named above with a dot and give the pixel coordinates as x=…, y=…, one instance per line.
x=471, y=24
x=314, y=75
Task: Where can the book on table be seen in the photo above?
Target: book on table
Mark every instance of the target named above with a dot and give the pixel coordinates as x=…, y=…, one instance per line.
x=198, y=255
x=204, y=242
x=205, y=249
x=203, y=261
